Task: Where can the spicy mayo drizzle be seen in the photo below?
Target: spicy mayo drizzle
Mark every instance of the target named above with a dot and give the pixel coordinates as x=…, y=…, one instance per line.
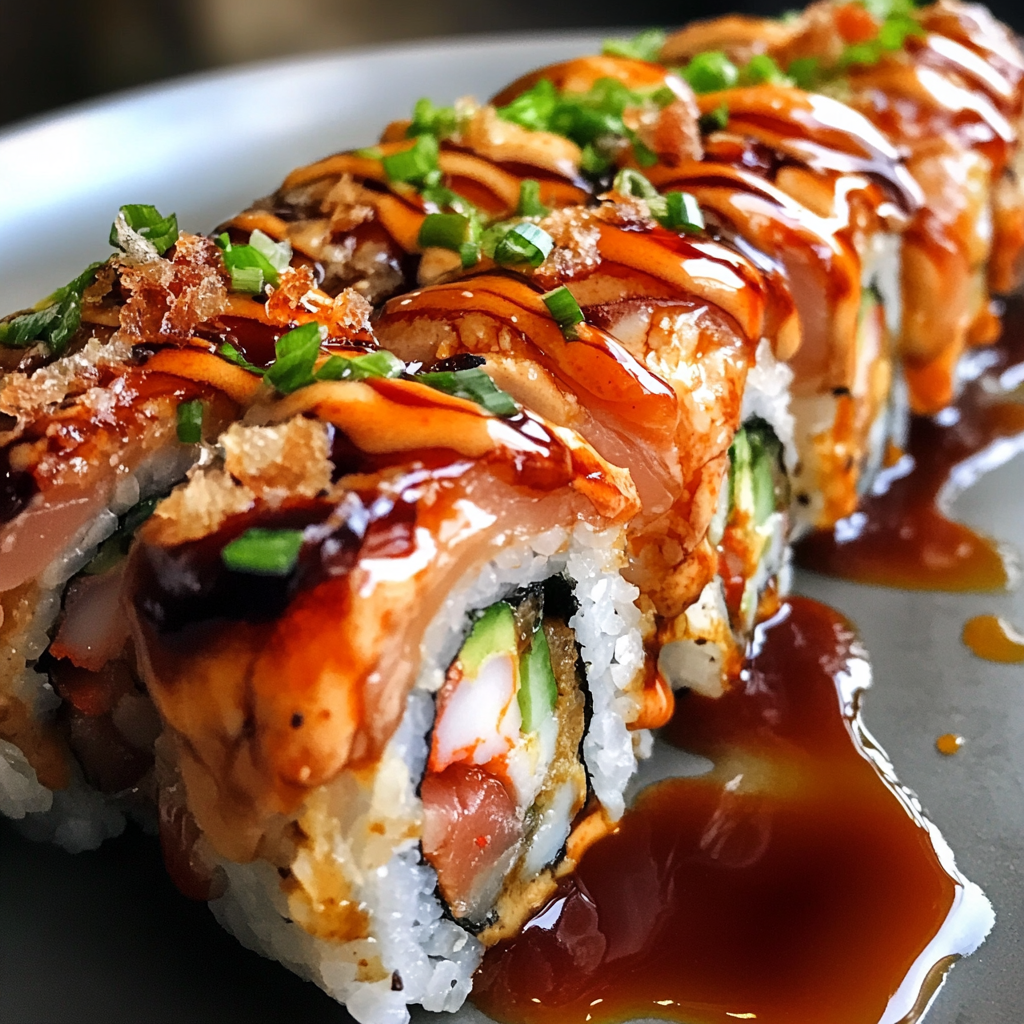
x=901, y=535
x=795, y=883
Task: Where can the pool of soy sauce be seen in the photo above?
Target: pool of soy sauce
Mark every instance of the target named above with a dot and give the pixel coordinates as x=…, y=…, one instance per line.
x=795, y=883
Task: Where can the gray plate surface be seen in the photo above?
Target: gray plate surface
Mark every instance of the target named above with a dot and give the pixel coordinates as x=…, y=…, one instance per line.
x=102, y=936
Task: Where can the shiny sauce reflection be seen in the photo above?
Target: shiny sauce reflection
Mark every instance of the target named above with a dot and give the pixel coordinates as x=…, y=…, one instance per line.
x=795, y=883
x=901, y=535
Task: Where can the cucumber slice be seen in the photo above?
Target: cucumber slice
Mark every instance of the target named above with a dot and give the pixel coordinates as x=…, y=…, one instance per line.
x=538, y=690
x=757, y=481
x=493, y=633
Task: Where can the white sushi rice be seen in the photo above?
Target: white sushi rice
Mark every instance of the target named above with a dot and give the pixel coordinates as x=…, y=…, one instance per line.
x=78, y=817
x=410, y=937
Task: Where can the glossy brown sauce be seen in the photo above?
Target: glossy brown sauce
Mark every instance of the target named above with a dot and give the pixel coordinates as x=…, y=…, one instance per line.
x=994, y=639
x=795, y=883
x=901, y=535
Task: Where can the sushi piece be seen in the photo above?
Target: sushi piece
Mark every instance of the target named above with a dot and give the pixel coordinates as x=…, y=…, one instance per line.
x=400, y=673
x=114, y=388
x=814, y=189
x=641, y=304
x=945, y=83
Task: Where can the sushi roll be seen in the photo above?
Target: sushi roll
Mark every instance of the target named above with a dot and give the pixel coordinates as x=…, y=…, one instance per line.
x=814, y=189
x=943, y=82
x=400, y=673
x=114, y=387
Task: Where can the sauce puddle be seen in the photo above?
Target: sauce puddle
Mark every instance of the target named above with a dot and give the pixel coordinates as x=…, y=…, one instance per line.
x=901, y=536
x=795, y=883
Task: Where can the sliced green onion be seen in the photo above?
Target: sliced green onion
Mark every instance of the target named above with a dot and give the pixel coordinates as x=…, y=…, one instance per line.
x=370, y=153
x=805, y=72
x=565, y=310
x=295, y=356
x=430, y=120
x=54, y=320
x=644, y=45
x=253, y=266
x=524, y=243
x=663, y=97
x=529, y=200
x=444, y=231
x=277, y=254
x=715, y=120
x=593, y=162
x=160, y=231
x=415, y=165
x=762, y=70
x=190, y=422
x=228, y=351
x=445, y=199
x=631, y=182
x=682, y=212
x=475, y=386
x=710, y=72
x=247, y=280
x=534, y=108
x=469, y=254
x=373, y=364
x=263, y=552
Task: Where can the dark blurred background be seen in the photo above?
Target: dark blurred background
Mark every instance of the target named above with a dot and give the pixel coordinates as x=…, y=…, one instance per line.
x=60, y=51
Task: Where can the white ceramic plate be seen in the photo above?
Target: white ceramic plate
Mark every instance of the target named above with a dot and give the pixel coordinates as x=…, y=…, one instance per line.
x=103, y=937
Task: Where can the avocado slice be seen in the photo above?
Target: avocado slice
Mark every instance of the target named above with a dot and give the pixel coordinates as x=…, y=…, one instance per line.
x=493, y=633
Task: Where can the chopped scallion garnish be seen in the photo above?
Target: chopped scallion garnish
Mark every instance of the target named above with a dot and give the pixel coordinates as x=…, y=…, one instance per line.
x=228, y=351
x=523, y=244
x=430, y=120
x=762, y=70
x=644, y=45
x=806, y=72
x=715, y=120
x=54, y=320
x=630, y=182
x=416, y=165
x=592, y=119
x=263, y=552
x=295, y=356
x=444, y=231
x=190, y=421
x=710, y=72
x=373, y=364
x=161, y=232
x=682, y=213
x=475, y=386
x=565, y=310
x=529, y=200
x=593, y=162
x=534, y=108
x=257, y=264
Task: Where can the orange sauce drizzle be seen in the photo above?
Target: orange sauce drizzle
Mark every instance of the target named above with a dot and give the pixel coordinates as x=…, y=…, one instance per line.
x=994, y=639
